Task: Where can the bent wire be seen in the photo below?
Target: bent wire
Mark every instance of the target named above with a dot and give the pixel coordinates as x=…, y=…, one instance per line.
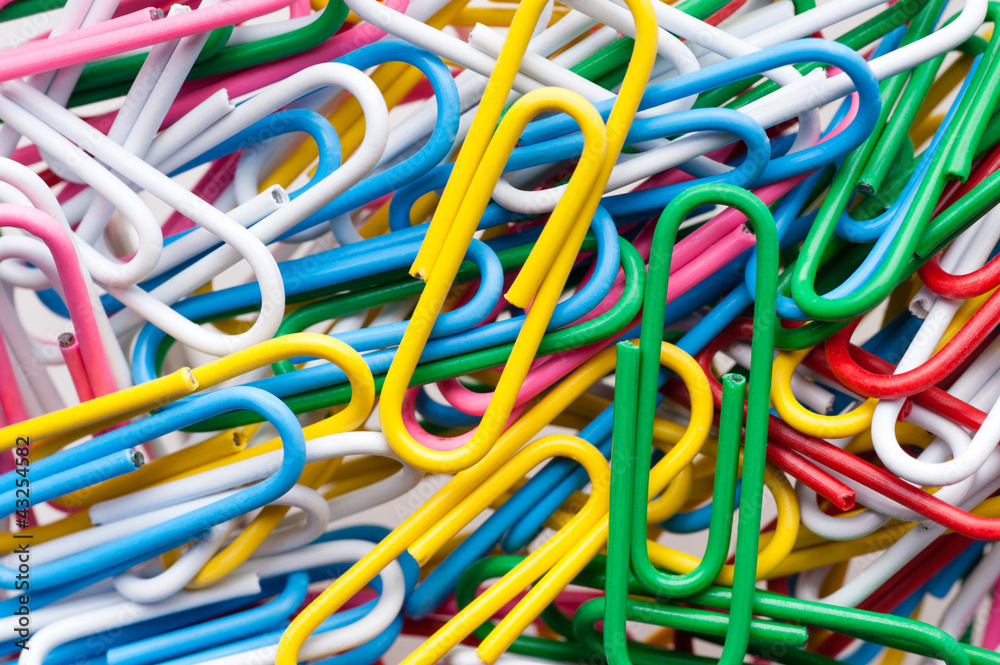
x=478, y=278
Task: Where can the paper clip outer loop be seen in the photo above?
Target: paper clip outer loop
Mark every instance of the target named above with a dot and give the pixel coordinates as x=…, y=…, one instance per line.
x=465, y=483
x=758, y=402
x=532, y=568
x=544, y=592
x=788, y=407
x=303, y=344
x=86, y=418
x=567, y=215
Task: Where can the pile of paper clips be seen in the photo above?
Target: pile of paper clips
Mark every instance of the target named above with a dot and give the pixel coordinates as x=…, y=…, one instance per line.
x=474, y=331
